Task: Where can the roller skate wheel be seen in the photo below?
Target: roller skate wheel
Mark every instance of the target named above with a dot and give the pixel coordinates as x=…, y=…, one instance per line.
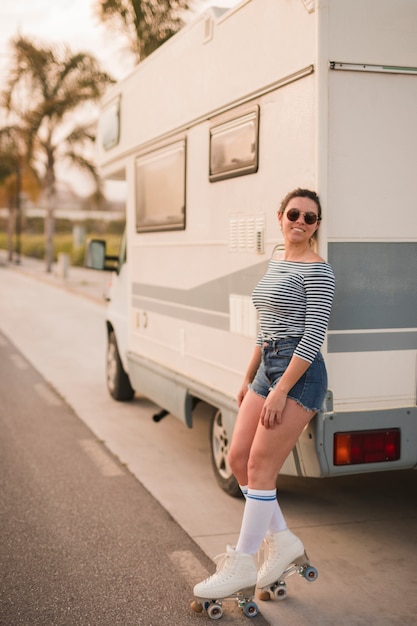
x=214, y=611
x=310, y=573
x=264, y=595
x=251, y=609
x=280, y=592
x=196, y=606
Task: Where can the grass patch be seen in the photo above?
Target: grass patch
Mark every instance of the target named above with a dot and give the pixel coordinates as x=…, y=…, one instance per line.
x=33, y=245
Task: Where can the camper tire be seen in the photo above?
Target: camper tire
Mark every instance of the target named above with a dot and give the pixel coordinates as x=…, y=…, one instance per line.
x=219, y=449
x=118, y=382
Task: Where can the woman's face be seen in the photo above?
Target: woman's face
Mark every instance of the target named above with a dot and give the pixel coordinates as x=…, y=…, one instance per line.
x=301, y=211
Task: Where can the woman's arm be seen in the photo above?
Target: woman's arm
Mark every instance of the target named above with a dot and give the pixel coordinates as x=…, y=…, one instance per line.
x=319, y=288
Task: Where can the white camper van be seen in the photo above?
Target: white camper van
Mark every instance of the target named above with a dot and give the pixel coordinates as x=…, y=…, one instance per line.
x=209, y=133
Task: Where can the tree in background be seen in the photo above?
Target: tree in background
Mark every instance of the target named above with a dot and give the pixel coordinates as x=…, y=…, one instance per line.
x=147, y=24
x=47, y=88
x=16, y=177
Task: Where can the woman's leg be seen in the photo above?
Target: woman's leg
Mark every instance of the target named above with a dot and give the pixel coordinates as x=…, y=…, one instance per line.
x=271, y=447
x=243, y=434
x=268, y=452
x=238, y=569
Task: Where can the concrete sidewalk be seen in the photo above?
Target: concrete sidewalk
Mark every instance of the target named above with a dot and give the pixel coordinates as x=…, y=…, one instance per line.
x=88, y=283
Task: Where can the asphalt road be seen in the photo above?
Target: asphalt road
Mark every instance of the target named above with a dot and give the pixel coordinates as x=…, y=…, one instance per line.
x=82, y=541
x=359, y=530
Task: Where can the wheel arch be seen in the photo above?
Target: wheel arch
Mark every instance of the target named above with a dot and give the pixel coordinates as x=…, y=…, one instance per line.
x=221, y=423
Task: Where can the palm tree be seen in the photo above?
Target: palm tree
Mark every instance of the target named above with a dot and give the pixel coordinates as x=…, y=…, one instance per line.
x=47, y=87
x=9, y=181
x=146, y=23
x=16, y=176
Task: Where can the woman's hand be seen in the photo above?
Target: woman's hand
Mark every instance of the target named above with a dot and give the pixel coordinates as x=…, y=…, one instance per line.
x=273, y=407
x=242, y=392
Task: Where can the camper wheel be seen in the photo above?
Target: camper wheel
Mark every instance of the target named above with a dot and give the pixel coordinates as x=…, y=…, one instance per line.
x=118, y=382
x=219, y=451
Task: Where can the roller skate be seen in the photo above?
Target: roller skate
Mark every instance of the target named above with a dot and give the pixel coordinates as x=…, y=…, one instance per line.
x=285, y=555
x=234, y=580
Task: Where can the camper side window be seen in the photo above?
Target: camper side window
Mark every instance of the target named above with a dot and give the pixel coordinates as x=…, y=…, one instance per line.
x=160, y=189
x=109, y=125
x=234, y=147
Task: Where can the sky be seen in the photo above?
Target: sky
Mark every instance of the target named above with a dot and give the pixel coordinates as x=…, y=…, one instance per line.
x=71, y=22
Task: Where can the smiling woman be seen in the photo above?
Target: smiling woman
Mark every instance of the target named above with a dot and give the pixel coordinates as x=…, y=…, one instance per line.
x=283, y=388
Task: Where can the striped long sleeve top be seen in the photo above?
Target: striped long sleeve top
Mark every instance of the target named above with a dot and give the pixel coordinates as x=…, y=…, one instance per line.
x=294, y=299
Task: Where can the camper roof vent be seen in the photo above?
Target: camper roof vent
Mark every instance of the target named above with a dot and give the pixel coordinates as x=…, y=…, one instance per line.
x=309, y=5
x=208, y=28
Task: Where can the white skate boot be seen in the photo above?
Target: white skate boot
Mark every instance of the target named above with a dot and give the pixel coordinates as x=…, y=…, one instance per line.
x=235, y=578
x=285, y=555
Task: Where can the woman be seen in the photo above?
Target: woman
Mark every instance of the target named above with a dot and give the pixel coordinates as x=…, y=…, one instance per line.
x=283, y=388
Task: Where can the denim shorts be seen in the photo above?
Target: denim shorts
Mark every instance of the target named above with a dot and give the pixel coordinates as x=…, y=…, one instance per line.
x=309, y=391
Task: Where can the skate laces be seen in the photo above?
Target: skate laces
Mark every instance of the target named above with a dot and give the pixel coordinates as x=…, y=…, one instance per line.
x=268, y=551
x=220, y=559
x=269, y=547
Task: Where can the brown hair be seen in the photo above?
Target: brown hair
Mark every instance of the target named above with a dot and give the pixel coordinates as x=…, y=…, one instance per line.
x=300, y=193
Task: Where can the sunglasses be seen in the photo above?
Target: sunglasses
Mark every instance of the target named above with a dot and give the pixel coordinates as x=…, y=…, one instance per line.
x=309, y=217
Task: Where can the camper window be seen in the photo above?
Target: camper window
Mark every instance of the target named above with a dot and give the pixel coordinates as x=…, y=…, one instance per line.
x=160, y=189
x=109, y=126
x=234, y=147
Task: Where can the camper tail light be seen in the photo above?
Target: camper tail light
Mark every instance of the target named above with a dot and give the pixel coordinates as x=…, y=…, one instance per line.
x=367, y=446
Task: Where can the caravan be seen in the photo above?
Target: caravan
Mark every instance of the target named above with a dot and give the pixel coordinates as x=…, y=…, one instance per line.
x=209, y=133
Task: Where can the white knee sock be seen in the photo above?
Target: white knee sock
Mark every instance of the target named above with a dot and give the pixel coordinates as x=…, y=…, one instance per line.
x=259, y=509
x=277, y=522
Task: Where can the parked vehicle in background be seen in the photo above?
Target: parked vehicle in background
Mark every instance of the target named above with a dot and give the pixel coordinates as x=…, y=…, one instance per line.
x=209, y=133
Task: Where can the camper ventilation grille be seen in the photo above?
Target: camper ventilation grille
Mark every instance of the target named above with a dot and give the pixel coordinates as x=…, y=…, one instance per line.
x=247, y=234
